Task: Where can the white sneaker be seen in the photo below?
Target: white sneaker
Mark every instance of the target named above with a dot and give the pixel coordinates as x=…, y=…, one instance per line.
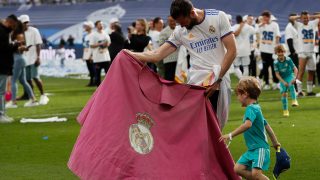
x=266, y=87
x=43, y=100
x=275, y=86
x=5, y=119
x=11, y=105
x=31, y=103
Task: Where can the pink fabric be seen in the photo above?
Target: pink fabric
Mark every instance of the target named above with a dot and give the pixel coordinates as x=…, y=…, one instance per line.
x=185, y=130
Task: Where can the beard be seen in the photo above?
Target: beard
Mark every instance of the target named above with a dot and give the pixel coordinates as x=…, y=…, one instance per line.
x=193, y=22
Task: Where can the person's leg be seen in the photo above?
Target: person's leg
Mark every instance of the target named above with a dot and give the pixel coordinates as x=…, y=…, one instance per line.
x=253, y=65
x=245, y=64
x=243, y=171
x=26, y=86
x=264, y=57
x=36, y=77
x=237, y=63
x=302, y=67
x=98, y=73
x=311, y=68
x=91, y=71
x=257, y=174
x=274, y=77
x=24, y=96
x=17, y=69
x=284, y=100
x=3, y=83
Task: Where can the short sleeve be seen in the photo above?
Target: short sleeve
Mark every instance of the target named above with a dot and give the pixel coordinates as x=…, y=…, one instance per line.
x=275, y=64
x=91, y=39
x=288, y=33
x=225, y=27
x=277, y=30
x=250, y=114
x=265, y=122
x=175, y=38
x=38, y=39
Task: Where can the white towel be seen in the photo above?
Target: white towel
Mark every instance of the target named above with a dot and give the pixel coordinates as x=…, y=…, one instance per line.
x=40, y=120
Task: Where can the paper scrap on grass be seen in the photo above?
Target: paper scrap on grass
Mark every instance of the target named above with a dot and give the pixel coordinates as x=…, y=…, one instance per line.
x=40, y=120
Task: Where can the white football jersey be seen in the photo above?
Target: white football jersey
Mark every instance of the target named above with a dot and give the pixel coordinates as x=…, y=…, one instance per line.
x=291, y=33
x=306, y=35
x=204, y=43
x=100, y=54
x=87, y=52
x=268, y=34
x=243, y=39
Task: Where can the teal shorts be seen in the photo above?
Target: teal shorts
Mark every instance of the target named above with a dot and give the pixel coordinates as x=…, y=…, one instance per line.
x=283, y=88
x=32, y=72
x=257, y=158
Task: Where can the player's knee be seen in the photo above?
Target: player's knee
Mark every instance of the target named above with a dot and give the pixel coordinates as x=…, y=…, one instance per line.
x=256, y=174
x=237, y=169
x=284, y=94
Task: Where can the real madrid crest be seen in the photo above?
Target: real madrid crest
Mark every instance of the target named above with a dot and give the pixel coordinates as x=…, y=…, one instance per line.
x=140, y=136
x=212, y=29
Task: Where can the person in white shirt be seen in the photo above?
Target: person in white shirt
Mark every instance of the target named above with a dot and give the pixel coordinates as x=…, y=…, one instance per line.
x=87, y=52
x=155, y=35
x=306, y=51
x=32, y=56
x=99, y=42
x=169, y=62
x=253, y=44
x=207, y=35
x=242, y=32
x=269, y=37
x=291, y=35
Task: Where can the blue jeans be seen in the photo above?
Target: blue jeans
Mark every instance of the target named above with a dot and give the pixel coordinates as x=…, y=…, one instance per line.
x=19, y=72
x=3, y=84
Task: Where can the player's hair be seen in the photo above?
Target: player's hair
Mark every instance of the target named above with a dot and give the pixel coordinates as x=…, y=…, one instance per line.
x=180, y=8
x=96, y=23
x=144, y=23
x=156, y=20
x=279, y=48
x=266, y=13
x=239, y=19
x=13, y=18
x=304, y=13
x=249, y=85
x=293, y=14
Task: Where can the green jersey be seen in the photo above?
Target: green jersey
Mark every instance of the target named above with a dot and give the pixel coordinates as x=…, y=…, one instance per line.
x=255, y=137
x=284, y=68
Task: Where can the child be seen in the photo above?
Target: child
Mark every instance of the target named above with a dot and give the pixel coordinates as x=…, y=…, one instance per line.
x=286, y=72
x=257, y=159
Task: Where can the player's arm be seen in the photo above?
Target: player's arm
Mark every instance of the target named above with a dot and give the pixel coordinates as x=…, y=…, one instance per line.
x=242, y=128
x=293, y=18
x=314, y=16
x=280, y=78
x=155, y=55
x=238, y=31
x=230, y=45
x=272, y=136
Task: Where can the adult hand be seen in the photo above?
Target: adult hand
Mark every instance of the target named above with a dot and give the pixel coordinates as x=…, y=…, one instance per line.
x=37, y=62
x=224, y=138
x=211, y=89
x=286, y=84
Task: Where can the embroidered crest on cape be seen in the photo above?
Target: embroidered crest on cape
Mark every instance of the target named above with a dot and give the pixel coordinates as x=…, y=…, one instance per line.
x=141, y=139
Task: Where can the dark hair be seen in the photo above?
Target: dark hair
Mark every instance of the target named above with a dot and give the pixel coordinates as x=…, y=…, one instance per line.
x=117, y=28
x=266, y=13
x=304, y=13
x=18, y=30
x=96, y=23
x=239, y=19
x=180, y=8
x=13, y=17
x=292, y=14
x=156, y=20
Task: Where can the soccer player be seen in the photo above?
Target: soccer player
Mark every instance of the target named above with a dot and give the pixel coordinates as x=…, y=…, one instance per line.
x=291, y=35
x=99, y=42
x=242, y=32
x=306, y=39
x=208, y=37
x=255, y=128
x=32, y=56
x=286, y=72
x=87, y=52
x=269, y=37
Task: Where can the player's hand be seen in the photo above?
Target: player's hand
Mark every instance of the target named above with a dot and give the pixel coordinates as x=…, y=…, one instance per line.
x=211, y=89
x=224, y=138
x=293, y=81
x=276, y=145
x=37, y=62
x=286, y=84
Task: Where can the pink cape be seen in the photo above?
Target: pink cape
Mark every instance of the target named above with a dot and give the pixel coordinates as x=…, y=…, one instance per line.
x=138, y=126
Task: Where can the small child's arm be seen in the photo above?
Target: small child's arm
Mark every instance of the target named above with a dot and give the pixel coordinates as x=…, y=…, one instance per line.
x=295, y=70
x=242, y=128
x=272, y=136
x=280, y=79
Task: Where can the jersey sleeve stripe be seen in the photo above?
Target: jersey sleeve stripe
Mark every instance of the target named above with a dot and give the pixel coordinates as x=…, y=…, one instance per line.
x=226, y=34
x=172, y=44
